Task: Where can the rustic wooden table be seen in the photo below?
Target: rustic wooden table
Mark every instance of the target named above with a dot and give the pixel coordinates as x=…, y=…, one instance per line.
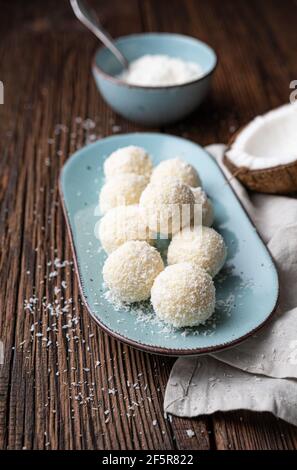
x=64, y=384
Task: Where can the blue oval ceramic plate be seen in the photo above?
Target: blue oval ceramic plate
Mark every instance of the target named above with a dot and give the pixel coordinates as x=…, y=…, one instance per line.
x=247, y=288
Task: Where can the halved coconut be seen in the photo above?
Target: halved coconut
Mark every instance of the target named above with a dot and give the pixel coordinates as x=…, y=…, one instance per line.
x=263, y=155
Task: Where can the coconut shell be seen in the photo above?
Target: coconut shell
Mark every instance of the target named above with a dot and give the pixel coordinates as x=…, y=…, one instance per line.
x=281, y=179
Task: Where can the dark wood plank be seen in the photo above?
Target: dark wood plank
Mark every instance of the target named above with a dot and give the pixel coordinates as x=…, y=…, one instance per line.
x=252, y=431
x=74, y=387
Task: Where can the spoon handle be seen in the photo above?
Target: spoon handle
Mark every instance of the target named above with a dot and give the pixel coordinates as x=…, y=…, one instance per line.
x=91, y=21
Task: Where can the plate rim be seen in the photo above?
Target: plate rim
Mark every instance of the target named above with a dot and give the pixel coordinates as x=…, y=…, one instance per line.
x=163, y=351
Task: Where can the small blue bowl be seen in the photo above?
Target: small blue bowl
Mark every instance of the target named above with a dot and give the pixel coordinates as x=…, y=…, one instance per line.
x=154, y=105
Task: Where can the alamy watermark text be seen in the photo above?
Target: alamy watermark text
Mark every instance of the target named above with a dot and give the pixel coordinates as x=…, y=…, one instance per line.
x=1, y=92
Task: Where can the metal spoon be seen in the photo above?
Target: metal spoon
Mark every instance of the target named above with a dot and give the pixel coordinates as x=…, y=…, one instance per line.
x=91, y=21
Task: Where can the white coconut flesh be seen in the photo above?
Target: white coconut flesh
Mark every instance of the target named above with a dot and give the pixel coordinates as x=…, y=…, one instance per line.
x=268, y=141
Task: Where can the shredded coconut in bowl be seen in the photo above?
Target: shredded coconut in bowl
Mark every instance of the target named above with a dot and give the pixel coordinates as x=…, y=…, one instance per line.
x=161, y=70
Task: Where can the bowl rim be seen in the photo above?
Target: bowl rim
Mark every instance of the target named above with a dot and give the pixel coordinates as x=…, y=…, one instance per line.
x=119, y=81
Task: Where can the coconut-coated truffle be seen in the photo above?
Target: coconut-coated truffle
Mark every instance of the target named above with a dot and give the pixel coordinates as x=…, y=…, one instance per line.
x=121, y=224
x=183, y=295
x=199, y=245
x=121, y=190
x=204, y=205
x=130, y=270
x=168, y=206
x=130, y=159
x=176, y=168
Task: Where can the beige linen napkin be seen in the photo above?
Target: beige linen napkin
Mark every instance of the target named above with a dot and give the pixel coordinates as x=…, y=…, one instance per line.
x=260, y=374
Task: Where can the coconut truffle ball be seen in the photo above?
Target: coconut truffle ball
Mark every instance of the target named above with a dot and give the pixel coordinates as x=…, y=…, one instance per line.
x=129, y=159
x=167, y=207
x=122, y=190
x=202, y=246
x=129, y=271
x=204, y=205
x=176, y=168
x=183, y=295
x=121, y=224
